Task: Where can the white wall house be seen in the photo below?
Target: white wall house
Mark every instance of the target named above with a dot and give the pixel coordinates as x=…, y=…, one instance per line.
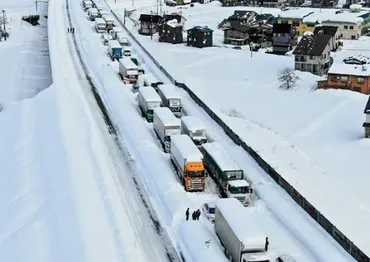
x=347, y=30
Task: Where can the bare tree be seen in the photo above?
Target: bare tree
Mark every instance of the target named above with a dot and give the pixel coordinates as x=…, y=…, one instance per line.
x=287, y=78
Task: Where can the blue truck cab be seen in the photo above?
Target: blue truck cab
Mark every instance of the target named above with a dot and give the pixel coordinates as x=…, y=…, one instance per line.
x=114, y=50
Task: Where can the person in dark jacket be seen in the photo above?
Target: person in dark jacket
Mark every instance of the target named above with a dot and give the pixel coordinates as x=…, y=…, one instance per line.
x=73, y=30
x=68, y=30
x=194, y=215
x=267, y=244
x=198, y=214
x=187, y=214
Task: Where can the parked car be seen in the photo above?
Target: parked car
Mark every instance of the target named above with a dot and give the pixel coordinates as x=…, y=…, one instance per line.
x=285, y=258
x=209, y=209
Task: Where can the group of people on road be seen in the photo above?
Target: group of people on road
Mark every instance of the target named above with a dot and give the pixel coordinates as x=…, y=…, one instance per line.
x=71, y=30
x=195, y=215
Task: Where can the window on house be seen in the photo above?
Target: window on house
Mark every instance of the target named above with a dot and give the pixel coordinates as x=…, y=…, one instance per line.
x=324, y=56
x=346, y=27
x=353, y=37
x=344, y=78
x=311, y=57
x=335, y=78
x=351, y=27
x=295, y=23
x=360, y=79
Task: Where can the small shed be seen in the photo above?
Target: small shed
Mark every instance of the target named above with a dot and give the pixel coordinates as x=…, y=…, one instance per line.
x=366, y=124
x=149, y=24
x=170, y=32
x=200, y=36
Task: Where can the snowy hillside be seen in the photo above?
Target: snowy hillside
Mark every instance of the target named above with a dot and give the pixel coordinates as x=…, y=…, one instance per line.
x=314, y=138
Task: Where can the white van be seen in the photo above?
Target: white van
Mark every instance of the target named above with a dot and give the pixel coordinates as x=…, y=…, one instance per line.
x=126, y=51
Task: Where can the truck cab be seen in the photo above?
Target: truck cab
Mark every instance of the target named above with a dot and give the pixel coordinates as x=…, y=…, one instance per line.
x=241, y=190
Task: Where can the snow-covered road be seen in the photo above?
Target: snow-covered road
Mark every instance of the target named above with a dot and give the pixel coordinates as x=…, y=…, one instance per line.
x=115, y=224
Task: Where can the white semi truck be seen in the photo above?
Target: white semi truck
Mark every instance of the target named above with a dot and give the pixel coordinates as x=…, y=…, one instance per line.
x=128, y=71
x=195, y=129
x=148, y=100
x=165, y=124
x=100, y=25
x=170, y=98
x=188, y=162
x=241, y=237
x=226, y=173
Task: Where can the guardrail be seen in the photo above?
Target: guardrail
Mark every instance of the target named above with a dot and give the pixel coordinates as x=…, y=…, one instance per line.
x=337, y=235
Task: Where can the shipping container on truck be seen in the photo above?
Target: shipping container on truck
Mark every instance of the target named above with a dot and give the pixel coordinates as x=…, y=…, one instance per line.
x=100, y=25
x=110, y=22
x=226, y=173
x=195, y=129
x=165, y=125
x=116, y=30
x=239, y=233
x=171, y=98
x=122, y=39
x=93, y=14
x=128, y=71
x=148, y=100
x=188, y=162
x=114, y=50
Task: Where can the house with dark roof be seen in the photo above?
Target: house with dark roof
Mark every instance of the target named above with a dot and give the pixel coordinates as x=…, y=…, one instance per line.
x=170, y=32
x=149, y=24
x=312, y=54
x=366, y=124
x=284, y=38
x=333, y=31
x=200, y=36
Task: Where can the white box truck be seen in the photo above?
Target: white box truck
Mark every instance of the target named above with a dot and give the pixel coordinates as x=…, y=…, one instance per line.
x=116, y=30
x=188, y=162
x=195, y=129
x=128, y=71
x=148, y=100
x=100, y=25
x=165, y=124
x=110, y=22
x=93, y=14
x=170, y=98
x=103, y=12
x=241, y=237
x=114, y=50
x=122, y=39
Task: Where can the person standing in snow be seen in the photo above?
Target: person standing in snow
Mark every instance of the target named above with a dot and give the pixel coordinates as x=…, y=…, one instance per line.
x=194, y=215
x=187, y=214
x=73, y=30
x=68, y=30
x=267, y=244
x=198, y=214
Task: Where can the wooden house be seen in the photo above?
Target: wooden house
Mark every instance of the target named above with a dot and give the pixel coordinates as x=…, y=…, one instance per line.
x=236, y=33
x=200, y=36
x=170, y=32
x=366, y=124
x=149, y=24
x=312, y=54
x=348, y=76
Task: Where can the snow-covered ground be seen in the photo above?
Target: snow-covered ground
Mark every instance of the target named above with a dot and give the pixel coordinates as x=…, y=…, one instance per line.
x=314, y=138
x=301, y=238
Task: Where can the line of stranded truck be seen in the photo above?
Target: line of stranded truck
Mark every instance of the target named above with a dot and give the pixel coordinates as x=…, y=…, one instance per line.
x=170, y=98
x=128, y=71
x=239, y=233
x=93, y=14
x=109, y=20
x=114, y=50
x=165, y=125
x=195, y=129
x=188, y=162
x=148, y=100
x=100, y=25
x=227, y=174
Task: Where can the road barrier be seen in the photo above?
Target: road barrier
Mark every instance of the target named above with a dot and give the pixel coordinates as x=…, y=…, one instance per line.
x=337, y=235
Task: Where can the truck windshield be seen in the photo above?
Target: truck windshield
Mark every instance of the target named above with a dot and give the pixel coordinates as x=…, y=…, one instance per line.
x=196, y=174
x=150, y=112
x=167, y=139
x=199, y=133
x=239, y=190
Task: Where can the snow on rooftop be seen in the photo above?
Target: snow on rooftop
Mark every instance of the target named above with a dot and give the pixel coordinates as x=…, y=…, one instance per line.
x=193, y=123
x=149, y=94
x=345, y=69
x=298, y=13
x=186, y=148
x=174, y=23
x=166, y=116
x=218, y=153
x=241, y=223
x=169, y=91
x=238, y=183
x=344, y=17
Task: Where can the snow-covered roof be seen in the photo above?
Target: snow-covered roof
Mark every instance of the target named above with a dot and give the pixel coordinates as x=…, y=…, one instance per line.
x=114, y=44
x=241, y=223
x=174, y=23
x=99, y=21
x=186, y=148
x=295, y=13
x=344, y=17
x=149, y=94
x=345, y=69
x=150, y=78
x=169, y=91
x=166, y=116
x=238, y=183
x=108, y=18
x=193, y=123
x=221, y=157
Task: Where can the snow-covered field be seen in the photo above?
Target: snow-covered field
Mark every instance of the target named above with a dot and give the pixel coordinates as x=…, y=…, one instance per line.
x=167, y=195
x=314, y=138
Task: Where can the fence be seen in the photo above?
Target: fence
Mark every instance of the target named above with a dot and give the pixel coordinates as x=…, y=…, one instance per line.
x=338, y=236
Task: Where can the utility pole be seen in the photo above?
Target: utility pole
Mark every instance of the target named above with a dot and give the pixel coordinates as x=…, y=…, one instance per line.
x=124, y=16
x=36, y=5
x=4, y=23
